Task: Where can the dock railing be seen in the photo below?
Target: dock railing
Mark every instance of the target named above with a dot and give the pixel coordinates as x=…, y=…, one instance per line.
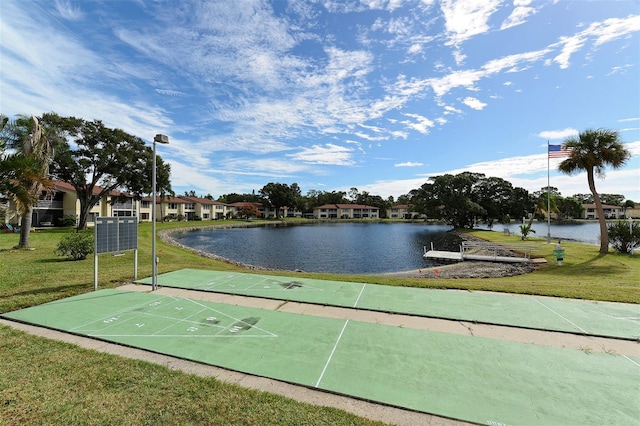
x=470, y=248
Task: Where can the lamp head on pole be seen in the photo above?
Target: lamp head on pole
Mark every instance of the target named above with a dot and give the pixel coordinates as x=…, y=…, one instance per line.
x=161, y=139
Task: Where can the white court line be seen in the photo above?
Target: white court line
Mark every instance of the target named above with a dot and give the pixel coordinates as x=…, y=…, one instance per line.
x=186, y=319
x=573, y=324
x=358, y=299
x=229, y=316
x=629, y=359
x=118, y=312
x=332, y=352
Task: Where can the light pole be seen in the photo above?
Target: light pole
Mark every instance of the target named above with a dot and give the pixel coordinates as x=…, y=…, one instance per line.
x=164, y=139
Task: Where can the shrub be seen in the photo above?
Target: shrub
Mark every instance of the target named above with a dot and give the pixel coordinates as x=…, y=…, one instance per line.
x=525, y=230
x=67, y=220
x=76, y=245
x=623, y=236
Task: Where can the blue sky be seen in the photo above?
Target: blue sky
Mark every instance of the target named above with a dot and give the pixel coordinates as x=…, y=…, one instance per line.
x=373, y=94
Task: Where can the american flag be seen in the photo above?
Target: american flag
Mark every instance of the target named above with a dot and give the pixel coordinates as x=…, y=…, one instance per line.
x=559, y=151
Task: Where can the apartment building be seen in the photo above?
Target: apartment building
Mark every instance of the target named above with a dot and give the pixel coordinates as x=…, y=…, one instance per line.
x=346, y=211
x=204, y=208
x=610, y=212
x=400, y=211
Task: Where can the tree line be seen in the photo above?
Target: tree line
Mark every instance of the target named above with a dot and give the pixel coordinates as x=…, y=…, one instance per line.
x=459, y=200
x=97, y=160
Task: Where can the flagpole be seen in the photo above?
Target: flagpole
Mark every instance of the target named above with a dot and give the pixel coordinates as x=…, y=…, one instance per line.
x=548, y=199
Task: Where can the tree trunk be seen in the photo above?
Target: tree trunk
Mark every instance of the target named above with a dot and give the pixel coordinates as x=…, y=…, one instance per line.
x=25, y=229
x=82, y=219
x=85, y=206
x=604, y=234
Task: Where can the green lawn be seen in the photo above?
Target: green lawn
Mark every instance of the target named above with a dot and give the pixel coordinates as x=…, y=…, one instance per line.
x=48, y=382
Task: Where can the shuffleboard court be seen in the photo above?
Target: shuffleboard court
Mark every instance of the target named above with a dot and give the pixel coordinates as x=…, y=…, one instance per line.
x=462, y=377
x=618, y=320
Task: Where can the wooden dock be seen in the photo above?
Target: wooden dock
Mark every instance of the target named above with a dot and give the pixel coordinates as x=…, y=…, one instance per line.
x=444, y=255
x=483, y=251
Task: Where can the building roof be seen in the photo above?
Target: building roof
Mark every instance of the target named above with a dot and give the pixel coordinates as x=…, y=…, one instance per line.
x=170, y=199
x=245, y=203
x=356, y=206
x=604, y=206
x=347, y=206
x=199, y=200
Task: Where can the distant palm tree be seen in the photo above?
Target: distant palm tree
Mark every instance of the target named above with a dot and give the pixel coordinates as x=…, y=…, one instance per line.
x=592, y=151
x=27, y=170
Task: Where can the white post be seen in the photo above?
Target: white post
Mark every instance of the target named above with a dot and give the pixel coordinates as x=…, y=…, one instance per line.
x=95, y=272
x=154, y=260
x=548, y=199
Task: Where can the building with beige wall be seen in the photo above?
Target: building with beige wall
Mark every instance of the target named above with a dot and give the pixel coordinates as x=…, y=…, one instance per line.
x=346, y=211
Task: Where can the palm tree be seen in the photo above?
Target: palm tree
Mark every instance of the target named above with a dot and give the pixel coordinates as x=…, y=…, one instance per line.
x=29, y=168
x=591, y=152
x=14, y=168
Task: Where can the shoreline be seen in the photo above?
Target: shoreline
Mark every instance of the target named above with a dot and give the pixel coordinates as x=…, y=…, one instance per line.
x=466, y=269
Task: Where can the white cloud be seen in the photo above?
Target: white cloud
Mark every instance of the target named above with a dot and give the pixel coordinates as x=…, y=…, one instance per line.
x=474, y=103
x=519, y=14
x=328, y=154
x=558, y=134
x=263, y=167
x=68, y=11
x=467, y=18
x=408, y=164
x=603, y=32
x=448, y=109
x=422, y=124
x=469, y=78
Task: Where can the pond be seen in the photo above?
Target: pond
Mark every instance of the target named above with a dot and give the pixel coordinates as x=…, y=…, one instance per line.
x=345, y=248
x=351, y=247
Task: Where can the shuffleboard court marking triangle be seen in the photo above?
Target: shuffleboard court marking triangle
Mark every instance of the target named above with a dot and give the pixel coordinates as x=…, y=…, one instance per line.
x=136, y=319
x=265, y=284
x=113, y=314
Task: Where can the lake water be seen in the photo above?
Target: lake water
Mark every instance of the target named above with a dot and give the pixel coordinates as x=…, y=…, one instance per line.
x=348, y=248
x=587, y=232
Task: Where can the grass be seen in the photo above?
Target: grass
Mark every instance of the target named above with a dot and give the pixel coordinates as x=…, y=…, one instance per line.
x=49, y=382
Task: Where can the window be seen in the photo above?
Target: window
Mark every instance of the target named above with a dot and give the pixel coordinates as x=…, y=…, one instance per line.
x=172, y=206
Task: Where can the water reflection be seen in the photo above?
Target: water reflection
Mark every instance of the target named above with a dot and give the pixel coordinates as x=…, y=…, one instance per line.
x=350, y=248
x=346, y=248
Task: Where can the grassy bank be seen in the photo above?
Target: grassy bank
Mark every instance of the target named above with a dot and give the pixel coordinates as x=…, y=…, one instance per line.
x=48, y=382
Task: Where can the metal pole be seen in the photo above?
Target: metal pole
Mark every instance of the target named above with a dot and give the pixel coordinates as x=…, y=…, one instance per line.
x=154, y=261
x=548, y=199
